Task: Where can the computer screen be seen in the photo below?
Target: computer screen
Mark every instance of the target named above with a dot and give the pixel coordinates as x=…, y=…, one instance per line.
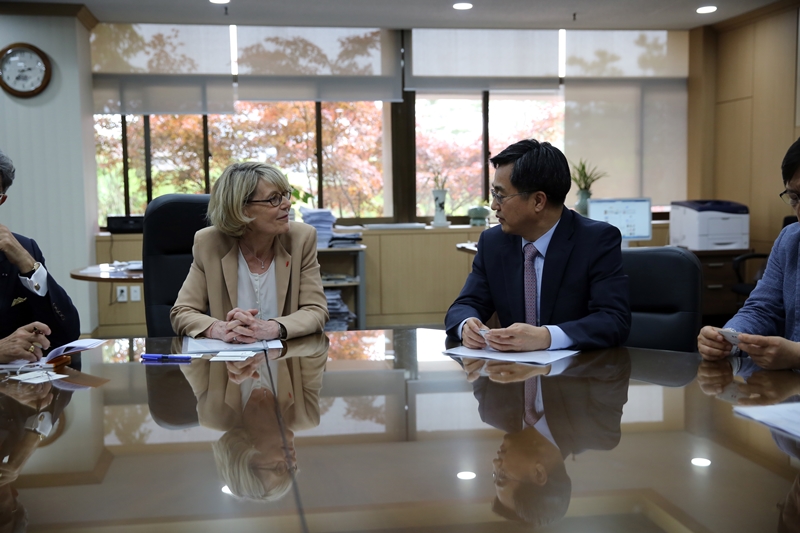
x=630, y=215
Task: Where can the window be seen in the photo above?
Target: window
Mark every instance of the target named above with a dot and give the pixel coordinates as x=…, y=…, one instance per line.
x=449, y=132
x=516, y=117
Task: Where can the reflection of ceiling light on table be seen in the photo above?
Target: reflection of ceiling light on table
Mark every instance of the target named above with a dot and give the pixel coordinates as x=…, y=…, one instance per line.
x=462, y=6
x=466, y=475
x=220, y=1
x=226, y=490
x=700, y=461
x=706, y=9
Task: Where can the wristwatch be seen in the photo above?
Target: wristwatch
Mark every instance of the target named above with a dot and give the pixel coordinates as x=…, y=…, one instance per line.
x=28, y=275
x=283, y=332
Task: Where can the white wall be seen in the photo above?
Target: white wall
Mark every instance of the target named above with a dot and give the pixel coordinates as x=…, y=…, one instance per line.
x=50, y=139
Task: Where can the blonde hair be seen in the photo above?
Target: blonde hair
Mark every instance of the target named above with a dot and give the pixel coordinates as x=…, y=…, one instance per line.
x=233, y=453
x=234, y=188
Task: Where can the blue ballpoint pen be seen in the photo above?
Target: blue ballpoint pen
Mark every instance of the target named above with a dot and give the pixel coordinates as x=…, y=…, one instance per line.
x=165, y=357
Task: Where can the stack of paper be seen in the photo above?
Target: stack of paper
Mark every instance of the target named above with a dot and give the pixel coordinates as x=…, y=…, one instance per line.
x=322, y=220
x=242, y=355
x=339, y=313
x=191, y=345
x=345, y=240
x=784, y=417
x=538, y=357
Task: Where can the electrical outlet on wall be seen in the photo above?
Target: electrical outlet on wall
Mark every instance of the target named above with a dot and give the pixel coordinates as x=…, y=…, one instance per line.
x=136, y=293
x=122, y=293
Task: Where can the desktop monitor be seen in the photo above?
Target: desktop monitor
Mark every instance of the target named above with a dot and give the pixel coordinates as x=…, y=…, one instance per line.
x=631, y=216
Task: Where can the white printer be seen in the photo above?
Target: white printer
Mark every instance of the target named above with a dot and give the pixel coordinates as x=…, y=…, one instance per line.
x=709, y=225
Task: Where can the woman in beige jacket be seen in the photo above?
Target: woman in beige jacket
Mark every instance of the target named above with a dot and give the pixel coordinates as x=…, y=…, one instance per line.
x=255, y=274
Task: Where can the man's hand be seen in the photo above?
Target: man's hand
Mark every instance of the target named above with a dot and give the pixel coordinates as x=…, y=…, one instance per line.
x=505, y=372
x=713, y=376
x=18, y=344
x=770, y=387
x=519, y=337
x=772, y=353
x=14, y=251
x=470, y=334
x=473, y=367
x=712, y=345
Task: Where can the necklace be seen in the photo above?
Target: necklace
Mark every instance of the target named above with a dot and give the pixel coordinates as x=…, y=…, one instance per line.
x=262, y=261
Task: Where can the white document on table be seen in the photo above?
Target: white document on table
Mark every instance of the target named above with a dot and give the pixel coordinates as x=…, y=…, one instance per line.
x=41, y=376
x=191, y=345
x=538, y=357
x=784, y=417
x=238, y=355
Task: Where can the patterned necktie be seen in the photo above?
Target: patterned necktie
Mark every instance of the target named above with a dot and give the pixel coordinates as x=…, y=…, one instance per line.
x=530, y=252
x=531, y=416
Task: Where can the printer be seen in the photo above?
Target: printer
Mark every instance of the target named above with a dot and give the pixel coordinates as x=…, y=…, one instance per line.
x=709, y=225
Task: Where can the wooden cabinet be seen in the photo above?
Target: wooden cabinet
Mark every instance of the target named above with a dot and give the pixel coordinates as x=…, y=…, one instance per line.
x=718, y=278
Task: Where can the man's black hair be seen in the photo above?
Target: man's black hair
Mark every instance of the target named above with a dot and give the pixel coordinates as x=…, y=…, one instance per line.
x=539, y=505
x=537, y=167
x=791, y=161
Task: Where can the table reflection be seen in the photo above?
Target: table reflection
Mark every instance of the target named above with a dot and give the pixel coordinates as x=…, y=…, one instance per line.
x=548, y=413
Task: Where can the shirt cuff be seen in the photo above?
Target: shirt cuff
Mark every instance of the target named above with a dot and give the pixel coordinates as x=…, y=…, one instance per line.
x=460, y=327
x=558, y=339
x=37, y=283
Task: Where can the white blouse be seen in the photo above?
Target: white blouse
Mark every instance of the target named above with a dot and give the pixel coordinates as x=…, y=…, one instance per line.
x=257, y=291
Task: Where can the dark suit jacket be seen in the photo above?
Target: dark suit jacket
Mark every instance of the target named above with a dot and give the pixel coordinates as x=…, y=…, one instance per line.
x=582, y=405
x=583, y=288
x=54, y=309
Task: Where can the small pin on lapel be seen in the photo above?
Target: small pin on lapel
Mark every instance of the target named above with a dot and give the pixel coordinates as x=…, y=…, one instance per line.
x=287, y=263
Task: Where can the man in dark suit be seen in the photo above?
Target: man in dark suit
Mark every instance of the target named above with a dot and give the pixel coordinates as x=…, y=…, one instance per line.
x=35, y=311
x=553, y=277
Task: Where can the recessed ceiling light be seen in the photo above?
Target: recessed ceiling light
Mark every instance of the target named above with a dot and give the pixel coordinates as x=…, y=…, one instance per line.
x=700, y=461
x=462, y=6
x=706, y=9
x=226, y=490
x=220, y=1
x=466, y=475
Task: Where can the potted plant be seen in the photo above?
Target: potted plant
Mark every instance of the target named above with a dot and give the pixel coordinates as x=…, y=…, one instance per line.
x=583, y=176
x=479, y=214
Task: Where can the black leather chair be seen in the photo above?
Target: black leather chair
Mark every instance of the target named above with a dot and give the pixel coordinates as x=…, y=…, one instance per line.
x=665, y=296
x=744, y=287
x=170, y=223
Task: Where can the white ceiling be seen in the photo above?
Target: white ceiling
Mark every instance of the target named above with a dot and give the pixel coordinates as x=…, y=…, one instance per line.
x=405, y=14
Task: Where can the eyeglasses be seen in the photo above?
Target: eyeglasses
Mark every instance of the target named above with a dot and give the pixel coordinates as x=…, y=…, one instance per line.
x=500, y=198
x=280, y=468
x=275, y=200
x=790, y=198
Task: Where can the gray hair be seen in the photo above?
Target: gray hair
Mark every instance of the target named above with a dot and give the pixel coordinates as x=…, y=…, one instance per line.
x=6, y=172
x=235, y=187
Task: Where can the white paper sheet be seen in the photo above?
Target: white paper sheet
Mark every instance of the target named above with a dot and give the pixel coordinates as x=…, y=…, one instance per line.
x=234, y=356
x=783, y=416
x=539, y=357
x=41, y=376
x=191, y=345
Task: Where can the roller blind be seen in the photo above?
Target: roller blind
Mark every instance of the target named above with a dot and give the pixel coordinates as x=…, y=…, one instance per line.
x=445, y=60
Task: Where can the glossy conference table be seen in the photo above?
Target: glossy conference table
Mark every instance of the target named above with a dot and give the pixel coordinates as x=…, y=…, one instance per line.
x=398, y=422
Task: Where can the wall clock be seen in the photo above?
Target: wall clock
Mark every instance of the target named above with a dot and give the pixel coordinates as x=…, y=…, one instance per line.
x=24, y=70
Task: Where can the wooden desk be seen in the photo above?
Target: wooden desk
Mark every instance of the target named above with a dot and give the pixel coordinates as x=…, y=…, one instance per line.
x=106, y=272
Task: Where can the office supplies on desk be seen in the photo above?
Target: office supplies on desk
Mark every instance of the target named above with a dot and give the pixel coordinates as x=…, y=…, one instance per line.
x=38, y=376
x=167, y=358
x=191, y=345
x=538, y=357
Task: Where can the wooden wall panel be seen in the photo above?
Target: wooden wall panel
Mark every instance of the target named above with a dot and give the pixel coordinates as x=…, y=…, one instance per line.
x=732, y=161
x=735, y=64
x=373, y=261
x=418, y=274
x=774, y=79
x=701, y=87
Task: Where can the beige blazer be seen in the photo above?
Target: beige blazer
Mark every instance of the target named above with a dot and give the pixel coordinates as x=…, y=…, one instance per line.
x=213, y=282
x=299, y=380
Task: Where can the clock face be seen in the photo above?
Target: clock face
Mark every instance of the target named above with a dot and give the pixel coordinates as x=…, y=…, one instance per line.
x=24, y=70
